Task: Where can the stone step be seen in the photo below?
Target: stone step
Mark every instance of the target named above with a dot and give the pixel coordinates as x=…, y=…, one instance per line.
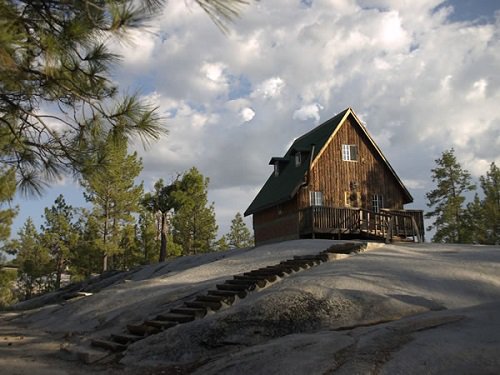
x=141, y=329
x=285, y=269
x=228, y=293
x=293, y=266
x=213, y=305
x=268, y=276
x=265, y=272
x=161, y=324
x=305, y=257
x=197, y=312
x=215, y=298
x=235, y=287
x=346, y=248
x=125, y=339
x=315, y=258
x=108, y=345
x=301, y=263
x=179, y=318
x=259, y=282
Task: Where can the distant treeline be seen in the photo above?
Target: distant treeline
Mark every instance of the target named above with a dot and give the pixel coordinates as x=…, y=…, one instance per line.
x=124, y=228
x=455, y=219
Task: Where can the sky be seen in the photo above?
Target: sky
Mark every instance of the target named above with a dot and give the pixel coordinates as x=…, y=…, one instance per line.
x=423, y=76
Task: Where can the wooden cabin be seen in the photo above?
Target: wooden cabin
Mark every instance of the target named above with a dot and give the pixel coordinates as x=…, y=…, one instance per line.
x=334, y=182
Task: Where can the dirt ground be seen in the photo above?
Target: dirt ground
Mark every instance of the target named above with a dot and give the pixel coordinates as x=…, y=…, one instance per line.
x=26, y=351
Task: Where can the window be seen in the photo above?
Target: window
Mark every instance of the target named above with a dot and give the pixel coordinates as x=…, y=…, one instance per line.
x=298, y=159
x=350, y=152
x=276, y=168
x=316, y=198
x=377, y=202
x=352, y=199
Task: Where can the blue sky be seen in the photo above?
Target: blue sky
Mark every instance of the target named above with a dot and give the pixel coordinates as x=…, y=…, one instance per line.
x=423, y=75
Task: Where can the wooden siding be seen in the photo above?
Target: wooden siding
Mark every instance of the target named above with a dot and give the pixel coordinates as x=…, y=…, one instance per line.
x=277, y=223
x=367, y=176
x=283, y=228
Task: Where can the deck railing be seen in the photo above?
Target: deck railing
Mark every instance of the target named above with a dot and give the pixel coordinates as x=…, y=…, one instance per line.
x=386, y=224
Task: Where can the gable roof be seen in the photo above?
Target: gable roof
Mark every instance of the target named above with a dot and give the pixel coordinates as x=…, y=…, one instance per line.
x=283, y=187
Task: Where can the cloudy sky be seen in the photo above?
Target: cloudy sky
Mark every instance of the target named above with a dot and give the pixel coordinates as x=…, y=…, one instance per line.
x=423, y=75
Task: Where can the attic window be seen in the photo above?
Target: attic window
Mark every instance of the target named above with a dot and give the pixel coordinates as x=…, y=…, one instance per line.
x=298, y=159
x=350, y=152
x=276, y=168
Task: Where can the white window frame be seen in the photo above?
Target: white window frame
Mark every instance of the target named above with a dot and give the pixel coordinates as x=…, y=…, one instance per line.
x=377, y=202
x=316, y=198
x=350, y=152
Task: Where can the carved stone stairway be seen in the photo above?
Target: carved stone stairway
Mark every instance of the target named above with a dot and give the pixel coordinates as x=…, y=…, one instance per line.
x=223, y=295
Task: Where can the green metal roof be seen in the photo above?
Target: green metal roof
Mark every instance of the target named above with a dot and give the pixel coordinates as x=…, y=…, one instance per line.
x=281, y=188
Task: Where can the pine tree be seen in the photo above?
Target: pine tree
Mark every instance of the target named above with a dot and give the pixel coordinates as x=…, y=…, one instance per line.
x=221, y=244
x=147, y=236
x=447, y=199
x=490, y=185
x=33, y=259
x=239, y=235
x=474, y=222
x=7, y=281
x=58, y=100
x=86, y=255
x=7, y=191
x=160, y=203
x=109, y=182
x=59, y=235
x=194, y=220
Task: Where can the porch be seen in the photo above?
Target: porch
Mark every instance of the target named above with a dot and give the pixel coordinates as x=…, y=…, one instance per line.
x=341, y=222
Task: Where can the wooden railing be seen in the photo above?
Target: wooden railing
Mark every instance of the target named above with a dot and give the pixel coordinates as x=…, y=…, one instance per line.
x=384, y=225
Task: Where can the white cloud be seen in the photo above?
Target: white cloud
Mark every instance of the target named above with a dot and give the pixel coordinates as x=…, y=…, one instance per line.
x=214, y=72
x=478, y=90
x=423, y=84
x=270, y=88
x=308, y=112
x=247, y=114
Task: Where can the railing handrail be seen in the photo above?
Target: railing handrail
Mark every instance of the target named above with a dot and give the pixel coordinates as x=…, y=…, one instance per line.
x=381, y=223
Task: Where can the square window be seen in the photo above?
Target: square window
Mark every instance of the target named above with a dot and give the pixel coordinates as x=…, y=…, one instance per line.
x=350, y=152
x=316, y=198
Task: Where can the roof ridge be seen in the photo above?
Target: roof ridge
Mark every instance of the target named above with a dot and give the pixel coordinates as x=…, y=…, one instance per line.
x=343, y=112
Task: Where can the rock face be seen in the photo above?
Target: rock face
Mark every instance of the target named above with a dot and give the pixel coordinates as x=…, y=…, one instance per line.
x=351, y=316
x=409, y=309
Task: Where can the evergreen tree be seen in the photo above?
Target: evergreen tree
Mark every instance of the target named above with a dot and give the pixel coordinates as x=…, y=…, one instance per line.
x=59, y=235
x=194, y=221
x=86, y=255
x=111, y=189
x=221, y=244
x=33, y=259
x=147, y=236
x=160, y=203
x=447, y=199
x=58, y=100
x=7, y=280
x=239, y=235
x=474, y=222
x=7, y=191
x=490, y=185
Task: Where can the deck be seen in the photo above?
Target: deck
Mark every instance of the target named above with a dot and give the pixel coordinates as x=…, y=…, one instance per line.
x=387, y=225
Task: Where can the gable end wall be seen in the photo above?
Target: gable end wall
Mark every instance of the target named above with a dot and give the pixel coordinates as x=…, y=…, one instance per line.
x=333, y=176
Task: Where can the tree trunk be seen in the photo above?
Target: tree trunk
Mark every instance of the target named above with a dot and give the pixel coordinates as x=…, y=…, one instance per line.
x=163, y=237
